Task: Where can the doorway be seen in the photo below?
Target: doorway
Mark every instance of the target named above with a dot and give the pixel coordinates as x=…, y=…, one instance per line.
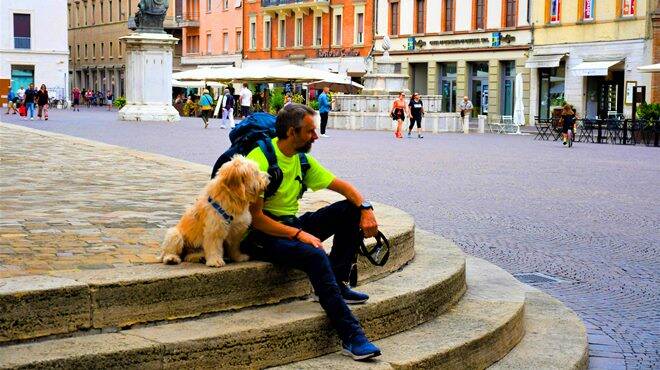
x=478, y=84
x=419, y=74
x=508, y=73
x=447, y=86
x=21, y=76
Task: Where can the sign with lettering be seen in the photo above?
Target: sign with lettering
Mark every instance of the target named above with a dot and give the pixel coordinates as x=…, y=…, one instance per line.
x=495, y=39
x=334, y=53
x=479, y=40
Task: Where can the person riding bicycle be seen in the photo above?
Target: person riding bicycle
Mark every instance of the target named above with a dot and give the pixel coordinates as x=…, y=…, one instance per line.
x=568, y=117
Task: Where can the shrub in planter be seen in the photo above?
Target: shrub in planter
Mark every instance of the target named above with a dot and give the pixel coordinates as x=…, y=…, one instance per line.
x=314, y=104
x=119, y=102
x=276, y=100
x=649, y=112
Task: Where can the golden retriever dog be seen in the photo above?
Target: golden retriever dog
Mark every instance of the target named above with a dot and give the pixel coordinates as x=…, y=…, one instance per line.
x=219, y=217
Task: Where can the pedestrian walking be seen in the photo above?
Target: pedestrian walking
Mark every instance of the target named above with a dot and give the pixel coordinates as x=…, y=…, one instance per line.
x=227, y=105
x=206, y=102
x=42, y=102
x=415, y=112
x=75, y=93
x=11, y=101
x=21, y=96
x=465, y=108
x=109, y=99
x=568, y=117
x=398, y=113
x=324, y=109
x=178, y=103
x=89, y=95
x=246, y=100
x=30, y=97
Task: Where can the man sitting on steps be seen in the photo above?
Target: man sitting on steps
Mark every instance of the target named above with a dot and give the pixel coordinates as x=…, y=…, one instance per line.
x=278, y=236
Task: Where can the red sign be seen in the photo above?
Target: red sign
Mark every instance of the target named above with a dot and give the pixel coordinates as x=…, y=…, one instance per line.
x=333, y=53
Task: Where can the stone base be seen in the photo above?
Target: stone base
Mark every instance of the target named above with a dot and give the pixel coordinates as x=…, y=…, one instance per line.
x=158, y=113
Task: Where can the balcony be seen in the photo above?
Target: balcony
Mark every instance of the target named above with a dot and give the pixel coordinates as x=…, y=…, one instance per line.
x=22, y=43
x=295, y=6
x=188, y=19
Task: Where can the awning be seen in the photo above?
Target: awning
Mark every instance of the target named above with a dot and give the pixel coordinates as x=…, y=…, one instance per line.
x=600, y=68
x=650, y=68
x=544, y=61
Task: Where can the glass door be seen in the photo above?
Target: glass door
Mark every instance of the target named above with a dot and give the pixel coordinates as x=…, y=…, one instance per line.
x=448, y=86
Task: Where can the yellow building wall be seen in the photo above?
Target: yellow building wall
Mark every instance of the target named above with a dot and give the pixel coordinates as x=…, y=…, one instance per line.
x=606, y=26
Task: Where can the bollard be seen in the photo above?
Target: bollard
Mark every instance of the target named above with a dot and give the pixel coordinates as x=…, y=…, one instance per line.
x=481, y=123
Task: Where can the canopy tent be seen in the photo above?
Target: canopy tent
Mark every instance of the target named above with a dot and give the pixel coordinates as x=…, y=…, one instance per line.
x=284, y=73
x=650, y=68
x=196, y=84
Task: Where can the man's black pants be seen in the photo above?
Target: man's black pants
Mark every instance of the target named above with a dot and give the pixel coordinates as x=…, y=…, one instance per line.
x=324, y=121
x=340, y=219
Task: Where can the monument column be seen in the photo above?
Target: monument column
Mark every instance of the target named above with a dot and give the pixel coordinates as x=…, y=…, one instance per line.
x=148, y=74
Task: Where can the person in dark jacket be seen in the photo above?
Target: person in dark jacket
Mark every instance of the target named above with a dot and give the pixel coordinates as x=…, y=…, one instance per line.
x=227, y=105
x=30, y=97
x=42, y=102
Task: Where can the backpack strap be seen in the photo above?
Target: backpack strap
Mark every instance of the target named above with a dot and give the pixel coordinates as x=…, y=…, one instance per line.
x=274, y=170
x=304, y=166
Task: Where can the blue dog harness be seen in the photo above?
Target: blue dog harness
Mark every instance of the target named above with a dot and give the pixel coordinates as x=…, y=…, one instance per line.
x=228, y=218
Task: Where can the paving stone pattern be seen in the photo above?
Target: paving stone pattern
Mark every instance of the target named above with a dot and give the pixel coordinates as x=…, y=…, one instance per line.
x=587, y=216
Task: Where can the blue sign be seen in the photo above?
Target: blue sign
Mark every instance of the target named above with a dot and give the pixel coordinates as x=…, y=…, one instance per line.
x=495, y=39
x=411, y=43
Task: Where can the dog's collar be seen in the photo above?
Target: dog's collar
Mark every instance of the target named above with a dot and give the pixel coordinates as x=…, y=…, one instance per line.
x=228, y=218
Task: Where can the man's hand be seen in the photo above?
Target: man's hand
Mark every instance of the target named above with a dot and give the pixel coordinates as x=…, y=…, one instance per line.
x=368, y=223
x=308, y=238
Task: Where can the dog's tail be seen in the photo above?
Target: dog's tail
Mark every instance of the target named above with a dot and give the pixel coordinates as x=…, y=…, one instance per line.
x=172, y=247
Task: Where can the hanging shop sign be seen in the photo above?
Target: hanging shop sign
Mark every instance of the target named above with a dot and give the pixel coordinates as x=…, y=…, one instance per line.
x=411, y=43
x=333, y=53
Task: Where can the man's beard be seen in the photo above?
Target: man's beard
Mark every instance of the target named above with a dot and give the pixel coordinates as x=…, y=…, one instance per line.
x=305, y=148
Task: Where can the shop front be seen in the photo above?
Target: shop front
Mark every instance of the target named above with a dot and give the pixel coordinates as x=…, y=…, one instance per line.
x=592, y=77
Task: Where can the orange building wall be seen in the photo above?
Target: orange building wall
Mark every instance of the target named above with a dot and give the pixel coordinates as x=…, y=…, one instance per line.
x=308, y=23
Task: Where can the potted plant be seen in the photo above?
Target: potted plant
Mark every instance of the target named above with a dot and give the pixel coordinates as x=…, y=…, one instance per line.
x=650, y=115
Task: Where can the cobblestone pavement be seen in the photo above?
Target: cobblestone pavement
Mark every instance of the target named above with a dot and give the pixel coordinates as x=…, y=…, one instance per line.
x=588, y=216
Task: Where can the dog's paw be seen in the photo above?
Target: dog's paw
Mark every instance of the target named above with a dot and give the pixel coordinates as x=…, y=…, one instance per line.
x=171, y=259
x=241, y=258
x=215, y=261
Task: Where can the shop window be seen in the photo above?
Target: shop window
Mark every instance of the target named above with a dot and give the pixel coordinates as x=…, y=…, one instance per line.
x=555, y=11
x=447, y=86
x=448, y=16
x=587, y=10
x=508, y=78
x=394, y=19
x=420, y=9
x=551, y=92
x=628, y=8
x=510, y=13
x=479, y=87
x=478, y=14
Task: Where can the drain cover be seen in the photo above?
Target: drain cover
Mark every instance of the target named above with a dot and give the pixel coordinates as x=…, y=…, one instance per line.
x=536, y=278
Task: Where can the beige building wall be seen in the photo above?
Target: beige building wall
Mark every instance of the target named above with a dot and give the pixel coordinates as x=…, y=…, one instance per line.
x=96, y=56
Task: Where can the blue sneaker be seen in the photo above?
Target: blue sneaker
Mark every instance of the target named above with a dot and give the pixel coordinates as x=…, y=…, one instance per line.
x=350, y=296
x=360, y=349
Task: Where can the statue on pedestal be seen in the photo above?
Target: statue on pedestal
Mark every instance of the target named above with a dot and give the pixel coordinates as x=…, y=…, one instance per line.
x=151, y=15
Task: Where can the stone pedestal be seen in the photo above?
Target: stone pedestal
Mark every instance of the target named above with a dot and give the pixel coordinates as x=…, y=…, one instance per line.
x=149, y=78
x=385, y=81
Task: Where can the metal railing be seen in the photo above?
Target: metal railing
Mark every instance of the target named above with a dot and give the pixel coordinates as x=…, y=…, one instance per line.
x=22, y=42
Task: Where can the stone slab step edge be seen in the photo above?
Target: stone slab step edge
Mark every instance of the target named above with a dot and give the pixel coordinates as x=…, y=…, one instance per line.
x=35, y=306
x=555, y=337
x=263, y=336
x=479, y=330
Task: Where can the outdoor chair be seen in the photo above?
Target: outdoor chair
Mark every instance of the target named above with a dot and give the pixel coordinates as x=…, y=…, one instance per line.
x=555, y=128
x=542, y=129
x=614, y=131
x=508, y=126
x=496, y=127
x=585, y=128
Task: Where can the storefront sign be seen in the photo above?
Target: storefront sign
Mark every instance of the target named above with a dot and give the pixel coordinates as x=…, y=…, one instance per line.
x=495, y=39
x=333, y=53
x=479, y=40
x=411, y=43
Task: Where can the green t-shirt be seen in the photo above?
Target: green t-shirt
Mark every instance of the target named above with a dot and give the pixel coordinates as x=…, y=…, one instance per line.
x=285, y=201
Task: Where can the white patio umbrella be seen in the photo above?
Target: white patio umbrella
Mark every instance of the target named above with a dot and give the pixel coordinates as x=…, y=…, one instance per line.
x=196, y=84
x=518, y=106
x=649, y=68
x=224, y=74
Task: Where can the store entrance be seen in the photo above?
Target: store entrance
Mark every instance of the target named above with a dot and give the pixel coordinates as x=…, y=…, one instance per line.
x=479, y=87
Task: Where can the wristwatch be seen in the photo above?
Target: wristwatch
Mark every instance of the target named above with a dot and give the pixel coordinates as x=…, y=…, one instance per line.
x=366, y=205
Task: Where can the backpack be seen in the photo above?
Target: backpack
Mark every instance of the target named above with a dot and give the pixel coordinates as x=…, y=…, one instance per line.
x=257, y=130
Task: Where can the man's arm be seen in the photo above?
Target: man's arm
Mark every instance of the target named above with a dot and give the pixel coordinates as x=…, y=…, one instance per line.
x=267, y=225
x=368, y=222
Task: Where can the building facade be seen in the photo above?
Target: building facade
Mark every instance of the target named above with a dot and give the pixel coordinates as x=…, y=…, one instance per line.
x=655, y=78
x=33, y=48
x=455, y=48
x=212, y=33
x=96, y=57
x=331, y=35
x=586, y=53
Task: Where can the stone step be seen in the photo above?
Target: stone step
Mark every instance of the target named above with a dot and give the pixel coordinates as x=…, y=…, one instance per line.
x=555, y=337
x=263, y=336
x=35, y=306
x=479, y=330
